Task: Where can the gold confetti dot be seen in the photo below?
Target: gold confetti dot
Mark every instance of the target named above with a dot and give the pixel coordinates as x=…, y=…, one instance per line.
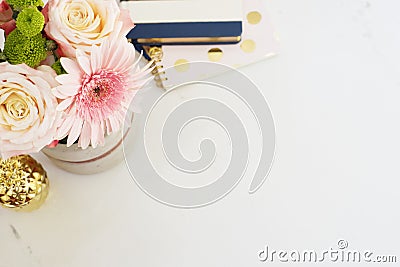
x=181, y=65
x=248, y=46
x=254, y=17
x=215, y=54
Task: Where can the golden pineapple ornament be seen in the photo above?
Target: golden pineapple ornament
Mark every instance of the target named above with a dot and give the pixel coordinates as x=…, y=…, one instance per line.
x=23, y=183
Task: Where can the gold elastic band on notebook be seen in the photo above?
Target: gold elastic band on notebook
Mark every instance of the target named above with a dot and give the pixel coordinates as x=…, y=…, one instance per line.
x=189, y=40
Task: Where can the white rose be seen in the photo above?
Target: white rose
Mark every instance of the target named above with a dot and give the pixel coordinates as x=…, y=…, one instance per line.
x=80, y=24
x=28, y=116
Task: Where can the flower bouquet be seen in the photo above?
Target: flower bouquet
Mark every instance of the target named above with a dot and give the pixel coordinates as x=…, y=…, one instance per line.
x=67, y=78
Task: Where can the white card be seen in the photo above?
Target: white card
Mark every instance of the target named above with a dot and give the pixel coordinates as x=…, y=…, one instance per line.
x=167, y=11
x=258, y=42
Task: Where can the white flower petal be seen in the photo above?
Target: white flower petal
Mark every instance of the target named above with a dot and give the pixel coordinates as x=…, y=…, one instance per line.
x=84, y=63
x=65, y=127
x=75, y=131
x=84, y=139
x=95, y=133
x=69, y=65
x=69, y=79
x=65, y=104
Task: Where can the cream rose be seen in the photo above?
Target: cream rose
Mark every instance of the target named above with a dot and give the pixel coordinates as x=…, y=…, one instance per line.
x=82, y=23
x=28, y=116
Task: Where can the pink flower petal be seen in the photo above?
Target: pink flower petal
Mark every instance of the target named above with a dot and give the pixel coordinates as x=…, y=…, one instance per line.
x=95, y=58
x=128, y=24
x=84, y=63
x=68, y=89
x=6, y=12
x=45, y=12
x=65, y=127
x=53, y=144
x=70, y=65
x=85, y=135
x=65, y=104
x=8, y=27
x=95, y=133
x=70, y=79
x=4, y=6
x=75, y=132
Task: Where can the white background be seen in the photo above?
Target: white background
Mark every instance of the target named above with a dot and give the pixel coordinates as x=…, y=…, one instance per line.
x=334, y=91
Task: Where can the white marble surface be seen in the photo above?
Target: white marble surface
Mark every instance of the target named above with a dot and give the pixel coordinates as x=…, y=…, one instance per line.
x=334, y=91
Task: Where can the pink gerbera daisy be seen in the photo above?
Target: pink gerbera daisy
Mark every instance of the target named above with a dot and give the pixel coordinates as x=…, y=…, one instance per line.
x=97, y=91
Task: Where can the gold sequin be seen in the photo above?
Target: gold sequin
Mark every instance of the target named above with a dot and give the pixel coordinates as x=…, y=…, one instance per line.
x=181, y=65
x=215, y=54
x=248, y=46
x=254, y=17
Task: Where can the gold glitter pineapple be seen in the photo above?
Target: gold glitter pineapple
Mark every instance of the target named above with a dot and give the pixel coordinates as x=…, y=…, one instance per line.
x=23, y=183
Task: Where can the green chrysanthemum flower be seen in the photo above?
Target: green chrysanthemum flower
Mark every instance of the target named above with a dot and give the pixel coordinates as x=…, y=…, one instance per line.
x=21, y=49
x=2, y=57
x=58, y=68
x=20, y=4
x=51, y=45
x=30, y=21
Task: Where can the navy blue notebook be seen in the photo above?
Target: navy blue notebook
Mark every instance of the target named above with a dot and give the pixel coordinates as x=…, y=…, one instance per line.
x=185, y=22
